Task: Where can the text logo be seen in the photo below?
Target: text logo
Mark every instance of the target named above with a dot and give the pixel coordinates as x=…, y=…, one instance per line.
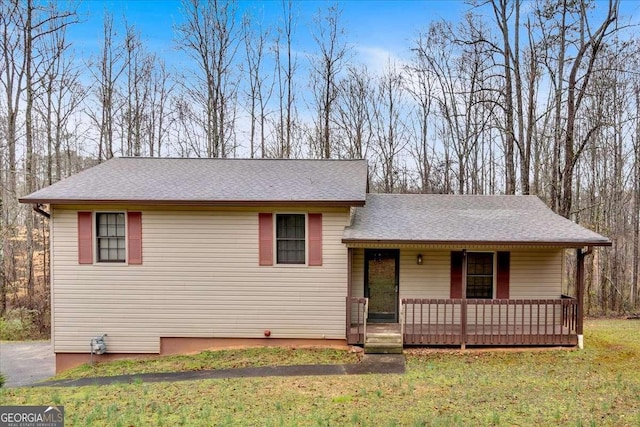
x=31, y=416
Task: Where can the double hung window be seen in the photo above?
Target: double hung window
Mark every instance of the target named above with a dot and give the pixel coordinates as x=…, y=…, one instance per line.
x=110, y=237
x=290, y=238
x=479, y=275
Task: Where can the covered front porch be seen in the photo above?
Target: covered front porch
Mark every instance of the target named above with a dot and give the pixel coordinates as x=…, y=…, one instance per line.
x=407, y=296
x=480, y=322
x=465, y=270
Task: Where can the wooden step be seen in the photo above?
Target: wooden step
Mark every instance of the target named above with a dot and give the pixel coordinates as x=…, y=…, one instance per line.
x=384, y=339
x=382, y=348
x=383, y=343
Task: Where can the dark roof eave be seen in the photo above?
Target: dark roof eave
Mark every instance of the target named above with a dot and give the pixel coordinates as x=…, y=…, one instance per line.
x=250, y=203
x=556, y=244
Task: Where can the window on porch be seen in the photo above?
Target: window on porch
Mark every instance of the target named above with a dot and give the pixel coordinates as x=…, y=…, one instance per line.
x=480, y=275
x=484, y=272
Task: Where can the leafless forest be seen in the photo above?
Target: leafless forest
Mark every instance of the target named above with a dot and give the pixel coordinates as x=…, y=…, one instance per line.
x=514, y=97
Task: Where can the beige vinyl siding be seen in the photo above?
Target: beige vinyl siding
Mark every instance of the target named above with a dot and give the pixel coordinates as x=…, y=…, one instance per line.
x=536, y=274
x=429, y=280
x=199, y=278
x=357, y=273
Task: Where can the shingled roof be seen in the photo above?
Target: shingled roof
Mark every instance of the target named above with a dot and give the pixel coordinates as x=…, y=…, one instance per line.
x=464, y=220
x=212, y=182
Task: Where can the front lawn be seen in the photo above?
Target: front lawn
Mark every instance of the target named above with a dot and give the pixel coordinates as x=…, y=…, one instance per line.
x=221, y=359
x=597, y=386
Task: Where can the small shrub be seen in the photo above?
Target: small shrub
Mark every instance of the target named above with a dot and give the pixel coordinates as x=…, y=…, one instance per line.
x=2, y=379
x=16, y=325
x=21, y=323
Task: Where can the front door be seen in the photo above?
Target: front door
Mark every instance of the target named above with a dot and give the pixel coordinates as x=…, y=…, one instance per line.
x=381, y=284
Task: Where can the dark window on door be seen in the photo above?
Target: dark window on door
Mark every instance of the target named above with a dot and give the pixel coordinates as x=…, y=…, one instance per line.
x=479, y=275
x=290, y=238
x=381, y=284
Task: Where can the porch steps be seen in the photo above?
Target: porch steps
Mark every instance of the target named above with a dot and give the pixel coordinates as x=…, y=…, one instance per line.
x=386, y=341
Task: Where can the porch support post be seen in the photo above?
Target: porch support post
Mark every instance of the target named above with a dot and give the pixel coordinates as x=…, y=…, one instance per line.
x=464, y=274
x=463, y=305
x=347, y=320
x=463, y=324
x=580, y=295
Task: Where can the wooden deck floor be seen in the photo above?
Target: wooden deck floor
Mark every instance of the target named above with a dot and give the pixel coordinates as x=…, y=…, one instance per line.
x=489, y=335
x=430, y=334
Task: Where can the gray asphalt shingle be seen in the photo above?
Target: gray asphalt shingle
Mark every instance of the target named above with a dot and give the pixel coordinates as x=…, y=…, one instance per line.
x=437, y=218
x=424, y=218
x=212, y=180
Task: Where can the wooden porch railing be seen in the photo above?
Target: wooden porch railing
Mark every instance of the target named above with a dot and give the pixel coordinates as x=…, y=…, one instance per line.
x=490, y=321
x=357, y=312
x=570, y=313
x=432, y=321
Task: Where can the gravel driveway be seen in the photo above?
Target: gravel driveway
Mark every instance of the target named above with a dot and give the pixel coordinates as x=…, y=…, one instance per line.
x=26, y=362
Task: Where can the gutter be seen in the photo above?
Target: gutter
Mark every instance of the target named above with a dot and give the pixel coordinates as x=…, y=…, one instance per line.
x=355, y=242
x=38, y=208
x=206, y=203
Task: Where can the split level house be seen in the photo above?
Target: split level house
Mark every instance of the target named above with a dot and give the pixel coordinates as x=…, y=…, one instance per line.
x=176, y=255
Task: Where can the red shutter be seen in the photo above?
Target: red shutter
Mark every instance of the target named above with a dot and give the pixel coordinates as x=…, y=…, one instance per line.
x=134, y=236
x=502, y=278
x=315, y=239
x=457, y=258
x=85, y=238
x=265, y=231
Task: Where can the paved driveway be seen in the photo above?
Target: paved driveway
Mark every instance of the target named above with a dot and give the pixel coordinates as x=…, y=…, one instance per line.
x=26, y=362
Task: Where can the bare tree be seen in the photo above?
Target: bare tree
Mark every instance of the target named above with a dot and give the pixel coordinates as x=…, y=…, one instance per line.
x=139, y=67
x=12, y=81
x=389, y=128
x=634, y=296
x=520, y=77
x=354, y=110
x=575, y=46
x=106, y=71
x=59, y=97
x=421, y=86
x=33, y=23
x=259, y=87
x=326, y=65
x=286, y=65
x=209, y=36
x=13, y=69
x=502, y=13
x=459, y=70
x=159, y=118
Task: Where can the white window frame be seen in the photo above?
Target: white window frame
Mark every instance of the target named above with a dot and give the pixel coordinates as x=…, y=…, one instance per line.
x=494, y=281
x=96, y=246
x=275, y=240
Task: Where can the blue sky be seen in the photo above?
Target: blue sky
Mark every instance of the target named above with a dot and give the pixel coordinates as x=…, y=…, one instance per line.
x=375, y=28
x=378, y=30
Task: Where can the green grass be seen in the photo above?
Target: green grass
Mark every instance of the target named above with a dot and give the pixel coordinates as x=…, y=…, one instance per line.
x=221, y=359
x=19, y=324
x=597, y=386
